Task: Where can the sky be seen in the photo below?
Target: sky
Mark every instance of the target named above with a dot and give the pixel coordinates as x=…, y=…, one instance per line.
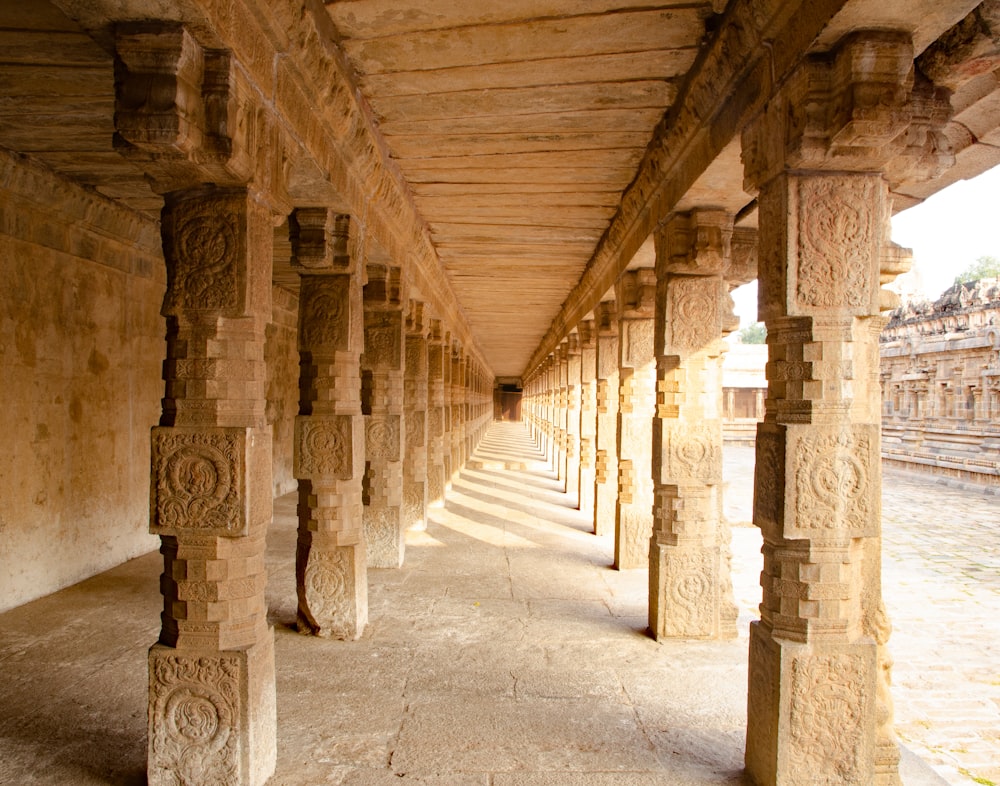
x=947, y=232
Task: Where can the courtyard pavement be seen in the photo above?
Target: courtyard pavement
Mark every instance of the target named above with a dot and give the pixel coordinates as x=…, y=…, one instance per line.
x=506, y=652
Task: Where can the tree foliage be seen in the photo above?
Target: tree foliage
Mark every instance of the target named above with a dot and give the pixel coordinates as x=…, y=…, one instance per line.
x=984, y=267
x=753, y=334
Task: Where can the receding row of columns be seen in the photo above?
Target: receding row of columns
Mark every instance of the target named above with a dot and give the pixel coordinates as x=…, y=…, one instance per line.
x=636, y=393
x=821, y=158
x=390, y=408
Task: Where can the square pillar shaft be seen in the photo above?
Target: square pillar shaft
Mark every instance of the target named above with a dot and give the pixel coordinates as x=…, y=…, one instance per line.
x=636, y=405
x=606, y=437
x=331, y=559
x=382, y=406
x=690, y=590
x=211, y=675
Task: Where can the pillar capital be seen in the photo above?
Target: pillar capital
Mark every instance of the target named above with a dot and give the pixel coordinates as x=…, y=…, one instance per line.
x=606, y=318
x=694, y=243
x=587, y=332
x=324, y=241
x=417, y=319
x=385, y=288
x=635, y=294
x=186, y=114
x=857, y=108
x=741, y=268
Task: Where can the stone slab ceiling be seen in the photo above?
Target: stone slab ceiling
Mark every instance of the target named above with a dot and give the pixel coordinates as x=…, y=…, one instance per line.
x=517, y=125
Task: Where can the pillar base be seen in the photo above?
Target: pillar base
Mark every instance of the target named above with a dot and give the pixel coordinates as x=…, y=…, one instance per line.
x=688, y=596
x=810, y=712
x=333, y=589
x=212, y=715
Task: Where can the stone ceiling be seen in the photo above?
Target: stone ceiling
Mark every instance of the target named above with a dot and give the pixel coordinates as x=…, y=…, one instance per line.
x=526, y=146
x=517, y=126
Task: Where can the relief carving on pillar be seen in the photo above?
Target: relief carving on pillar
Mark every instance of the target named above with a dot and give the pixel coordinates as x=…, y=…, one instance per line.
x=383, y=537
x=769, y=478
x=194, y=719
x=324, y=309
x=324, y=447
x=694, y=312
x=199, y=481
x=327, y=585
x=834, y=476
x=416, y=363
x=415, y=430
x=203, y=254
x=689, y=592
x=637, y=342
x=382, y=344
x=837, y=253
x=831, y=698
x=762, y=703
x=382, y=438
x=694, y=453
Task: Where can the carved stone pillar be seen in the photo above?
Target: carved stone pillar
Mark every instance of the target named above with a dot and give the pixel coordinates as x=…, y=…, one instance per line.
x=606, y=438
x=562, y=410
x=819, y=709
x=457, y=403
x=331, y=562
x=415, y=398
x=211, y=675
x=635, y=295
x=436, y=470
x=382, y=406
x=690, y=591
x=588, y=413
x=573, y=395
x=551, y=403
x=448, y=394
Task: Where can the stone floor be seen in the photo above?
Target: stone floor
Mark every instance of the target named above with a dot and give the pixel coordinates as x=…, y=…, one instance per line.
x=504, y=653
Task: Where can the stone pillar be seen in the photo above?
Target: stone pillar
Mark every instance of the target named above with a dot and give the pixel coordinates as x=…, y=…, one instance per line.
x=415, y=398
x=820, y=154
x=573, y=396
x=457, y=401
x=606, y=469
x=588, y=413
x=562, y=411
x=690, y=590
x=446, y=421
x=211, y=675
x=205, y=143
x=331, y=562
x=635, y=295
x=382, y=406
x=436, y=470
x=551, y=401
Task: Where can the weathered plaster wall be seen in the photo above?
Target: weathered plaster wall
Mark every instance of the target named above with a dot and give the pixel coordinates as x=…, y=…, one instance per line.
x=282, y=356
x=81, y=348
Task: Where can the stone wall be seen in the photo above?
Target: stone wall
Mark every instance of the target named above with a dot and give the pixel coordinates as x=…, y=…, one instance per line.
x=282, y=356
x=81, y=350
x=940, y=374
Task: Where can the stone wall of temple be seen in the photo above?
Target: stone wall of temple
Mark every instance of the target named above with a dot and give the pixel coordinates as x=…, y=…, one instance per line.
x=81, y=350
x=940, y=369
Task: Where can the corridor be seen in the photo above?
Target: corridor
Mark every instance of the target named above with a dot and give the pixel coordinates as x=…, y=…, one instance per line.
x=504, y=653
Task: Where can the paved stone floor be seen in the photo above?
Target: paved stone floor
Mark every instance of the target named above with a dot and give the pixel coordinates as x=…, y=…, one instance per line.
x=504, y=653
